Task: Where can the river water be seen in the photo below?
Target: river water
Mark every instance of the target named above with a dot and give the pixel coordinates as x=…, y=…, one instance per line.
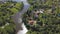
x=18, y=17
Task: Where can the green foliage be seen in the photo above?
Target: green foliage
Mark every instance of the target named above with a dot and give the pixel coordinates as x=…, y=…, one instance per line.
x=31, y=8
x=7, y=10
x=50, y=21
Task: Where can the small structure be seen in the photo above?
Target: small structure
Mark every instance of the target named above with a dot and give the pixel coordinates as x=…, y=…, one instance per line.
x=41, y=11
x=31, y=22
x=37, y=12
x=58, y=15
x=1, y=2
x=53, y=8
x=49, y=11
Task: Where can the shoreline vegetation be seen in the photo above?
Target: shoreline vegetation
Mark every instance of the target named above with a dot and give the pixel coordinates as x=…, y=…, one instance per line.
x=7, y=10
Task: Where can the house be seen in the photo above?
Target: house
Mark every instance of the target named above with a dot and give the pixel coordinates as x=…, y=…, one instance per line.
x=49, y=11
x=31, y=22
x=58, y=15
x=41, y=11
x=1, y=2
x=37, y=12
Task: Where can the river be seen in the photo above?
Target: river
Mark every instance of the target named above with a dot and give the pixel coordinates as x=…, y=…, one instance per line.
x=20, y=27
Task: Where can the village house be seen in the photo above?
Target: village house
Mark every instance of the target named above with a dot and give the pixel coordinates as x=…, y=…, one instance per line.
x=31, y=22
x=37, y=12
x=41, y=10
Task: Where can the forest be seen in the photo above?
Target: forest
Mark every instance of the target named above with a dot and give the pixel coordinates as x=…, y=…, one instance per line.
x=43, y=17
x=7, y=10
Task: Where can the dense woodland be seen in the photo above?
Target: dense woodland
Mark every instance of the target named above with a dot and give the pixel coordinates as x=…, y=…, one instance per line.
x=48, y=22
x=7, y=10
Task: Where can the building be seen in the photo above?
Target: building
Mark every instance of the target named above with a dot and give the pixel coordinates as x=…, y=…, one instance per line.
x=32, y=22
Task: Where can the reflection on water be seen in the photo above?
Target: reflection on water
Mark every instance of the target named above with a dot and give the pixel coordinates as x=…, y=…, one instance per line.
x=26, y=6
x=22, y=31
